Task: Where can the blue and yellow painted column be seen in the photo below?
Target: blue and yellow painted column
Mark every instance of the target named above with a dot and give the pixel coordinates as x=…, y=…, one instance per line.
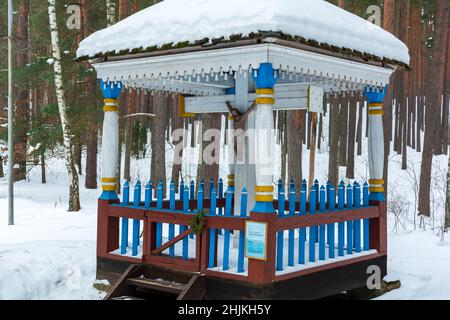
x=265, y=79
x=375, y=97
x=110, y=139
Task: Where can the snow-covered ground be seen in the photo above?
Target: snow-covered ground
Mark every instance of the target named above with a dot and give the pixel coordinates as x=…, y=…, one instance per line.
x=50, y=253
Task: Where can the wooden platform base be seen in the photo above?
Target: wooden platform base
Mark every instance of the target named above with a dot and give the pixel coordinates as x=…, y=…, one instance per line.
x=313, y=286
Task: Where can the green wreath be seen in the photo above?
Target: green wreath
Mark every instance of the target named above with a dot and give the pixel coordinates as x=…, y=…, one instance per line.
x=198, y=222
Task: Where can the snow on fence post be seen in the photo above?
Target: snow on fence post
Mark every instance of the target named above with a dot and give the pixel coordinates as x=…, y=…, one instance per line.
x=357, y=223
x=341, y=225
x=322, y=209
x=159, y=206
x=302, y=231
x=184, y=228
x=291, y=233
x=366, y=223
x=241, y=249
x=124, y=231
x=331, y=207
x=312, y=229
x=172, y=226
x=349, y=223
x=280, y=234
x=226, y=240
x=212, y=232
x=136, y=222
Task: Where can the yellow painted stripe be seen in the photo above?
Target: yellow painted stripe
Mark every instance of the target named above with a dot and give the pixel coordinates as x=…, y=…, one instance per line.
x=376, y=181
x=110, y=100
x=376, y=189
x=110, y=108
x=265, y=91
x=231, y=118
x=376, y=105
x=231, y=177
x=231, y=183
x=109, y=187
x=268, y=198
x=376, y=112
x=264, y=188
x=109, y=180
x=265, y=101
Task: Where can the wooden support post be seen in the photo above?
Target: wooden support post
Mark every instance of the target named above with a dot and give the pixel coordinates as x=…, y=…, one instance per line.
x=312, y=148
x=378, y=227
x=110, y=143
x=263, y=271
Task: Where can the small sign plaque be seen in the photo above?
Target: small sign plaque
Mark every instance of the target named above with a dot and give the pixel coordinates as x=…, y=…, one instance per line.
x=315, y=99
x=256, y=240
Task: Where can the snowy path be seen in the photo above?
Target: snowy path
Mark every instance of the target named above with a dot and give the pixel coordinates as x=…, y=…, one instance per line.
x=49, y=253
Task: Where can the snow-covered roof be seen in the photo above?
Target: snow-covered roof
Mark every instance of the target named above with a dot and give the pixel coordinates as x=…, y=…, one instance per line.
x=187, y=21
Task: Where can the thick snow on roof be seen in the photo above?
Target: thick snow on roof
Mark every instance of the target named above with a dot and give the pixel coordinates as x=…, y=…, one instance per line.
x=173, y=21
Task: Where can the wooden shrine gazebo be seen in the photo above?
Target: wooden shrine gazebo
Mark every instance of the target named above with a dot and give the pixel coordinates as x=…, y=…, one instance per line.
x=280, y=55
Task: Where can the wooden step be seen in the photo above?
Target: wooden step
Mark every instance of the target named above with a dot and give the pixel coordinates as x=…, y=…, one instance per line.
x=157, y=285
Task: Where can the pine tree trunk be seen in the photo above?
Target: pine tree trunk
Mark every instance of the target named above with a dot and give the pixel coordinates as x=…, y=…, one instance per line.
x=351, y=139
x=343, y=131
x=2, y=172
x=91, y=159
x=359, y=130
x=128, y=135
x=43, y=171
x=177, y=125
x=333, y=160
x=22, y=105
x=435, y=88
x=206, y=172
x=295, y=146
x=158, y=164
x=312, y=149
x=74, y=198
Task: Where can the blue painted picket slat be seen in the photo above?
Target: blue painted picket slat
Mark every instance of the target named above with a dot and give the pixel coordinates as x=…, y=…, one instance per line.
x=316, y=187
x=357, y=223
x=184, y=228
x=226, y=240
x=312, y=229
x=148, y=195
x=366, y=225
x=200, y=198
x=341, y=225
x=240, y=268
x=124, y=231
x=331, y=207
x=212, y=232
x=349, y=223
x=171, y=225
x=211, y=187
x=181, y=192
x=302, y=231
x=159, y=206
x=322, y=227
x=328, y=187
x=220, y=209
x=291, y=233
x=280, y=234
x=192, y=190
x=136, y=222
